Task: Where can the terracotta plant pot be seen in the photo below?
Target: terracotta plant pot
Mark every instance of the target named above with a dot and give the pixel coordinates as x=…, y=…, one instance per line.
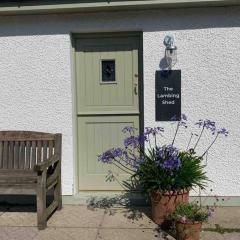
x=188, y=231
x=164, y=204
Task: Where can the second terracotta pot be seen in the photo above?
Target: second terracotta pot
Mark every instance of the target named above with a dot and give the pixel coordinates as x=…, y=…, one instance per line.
x=164, y=204
x=188, y=231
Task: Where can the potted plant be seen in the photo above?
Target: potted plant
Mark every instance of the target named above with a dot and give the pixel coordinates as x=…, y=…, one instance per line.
x=163, y=171
x=188, y=219
x=167, y=175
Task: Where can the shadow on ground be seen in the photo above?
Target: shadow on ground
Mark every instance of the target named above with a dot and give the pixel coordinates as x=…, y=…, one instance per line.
x=131, y=209
x=20, y=203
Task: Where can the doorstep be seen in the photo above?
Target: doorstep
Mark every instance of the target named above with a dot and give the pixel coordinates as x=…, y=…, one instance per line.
x=137, y=199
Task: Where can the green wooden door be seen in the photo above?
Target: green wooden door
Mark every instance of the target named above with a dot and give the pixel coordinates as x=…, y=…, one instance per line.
x=107, y=100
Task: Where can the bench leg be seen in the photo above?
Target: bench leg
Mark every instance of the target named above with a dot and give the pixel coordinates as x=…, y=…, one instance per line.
x=58, y=187
x=41, y=202
x=58, y=193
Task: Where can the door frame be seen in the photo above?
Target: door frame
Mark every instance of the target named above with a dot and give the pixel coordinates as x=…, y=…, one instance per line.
x=74, y=37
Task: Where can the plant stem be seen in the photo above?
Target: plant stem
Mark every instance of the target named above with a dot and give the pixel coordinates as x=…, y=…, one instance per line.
x=189, y=141
x=121, y=168
x=200, y=198
x=199, y=138
x=175, y=133
x=155, y=138
x=125, y=166
x=211, y=144
x=150, y=145
x=206, y=158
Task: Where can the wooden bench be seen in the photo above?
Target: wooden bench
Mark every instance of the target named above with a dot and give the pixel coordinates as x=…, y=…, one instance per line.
x=32, y=160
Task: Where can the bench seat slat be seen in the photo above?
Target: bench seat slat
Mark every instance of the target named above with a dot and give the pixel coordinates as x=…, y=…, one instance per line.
x=18, y=180
x=17, y=171
x=22, y=186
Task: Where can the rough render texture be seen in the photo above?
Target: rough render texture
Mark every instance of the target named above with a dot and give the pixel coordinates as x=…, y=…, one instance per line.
x=37, y=80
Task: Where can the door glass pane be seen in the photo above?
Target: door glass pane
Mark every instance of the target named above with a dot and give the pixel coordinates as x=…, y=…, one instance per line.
x=108, y=71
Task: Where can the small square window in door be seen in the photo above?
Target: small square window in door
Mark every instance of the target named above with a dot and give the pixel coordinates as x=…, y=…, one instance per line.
x=108, y=71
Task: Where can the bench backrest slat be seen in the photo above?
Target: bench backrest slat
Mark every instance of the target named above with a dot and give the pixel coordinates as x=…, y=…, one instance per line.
x=28, y=154
x=16, y=155
x=34, y=144
x=5, y=154
x=39, y=151
x=22, y=155
x=22, y=149
x=50, y=148
x=11, y=155
x=1, y=156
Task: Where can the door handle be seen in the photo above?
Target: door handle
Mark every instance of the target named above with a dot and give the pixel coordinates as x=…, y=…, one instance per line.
x=135, y=88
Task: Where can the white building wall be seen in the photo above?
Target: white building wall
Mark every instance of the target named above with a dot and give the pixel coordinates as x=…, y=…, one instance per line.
x=37, y=82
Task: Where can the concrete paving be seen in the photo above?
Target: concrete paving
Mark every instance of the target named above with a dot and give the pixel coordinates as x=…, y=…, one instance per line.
x=78, y=222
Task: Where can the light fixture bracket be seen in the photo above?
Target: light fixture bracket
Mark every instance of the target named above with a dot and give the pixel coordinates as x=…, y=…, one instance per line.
x=169, y=42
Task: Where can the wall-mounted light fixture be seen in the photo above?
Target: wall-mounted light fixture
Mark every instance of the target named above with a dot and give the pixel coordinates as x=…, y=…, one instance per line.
x=171, y=51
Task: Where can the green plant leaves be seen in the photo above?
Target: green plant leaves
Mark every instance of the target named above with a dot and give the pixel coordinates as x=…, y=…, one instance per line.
x=152, y=177
x=190, y=213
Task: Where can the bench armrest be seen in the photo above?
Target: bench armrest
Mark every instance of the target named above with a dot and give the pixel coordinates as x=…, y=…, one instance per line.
x=40, y=167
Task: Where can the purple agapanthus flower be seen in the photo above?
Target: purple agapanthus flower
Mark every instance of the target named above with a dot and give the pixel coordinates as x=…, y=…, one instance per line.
x=182, y=120
x=153, y=131
x=207, y=124
x=183, y=117
x=210, y=125
x=170, y=164
x=109, y=155
x=135, y=141
x=134, y=160
x=131, y=141
x=141, y=139
x=129, y=129
x=167, y=157
x=117, y=152
x=223, y=131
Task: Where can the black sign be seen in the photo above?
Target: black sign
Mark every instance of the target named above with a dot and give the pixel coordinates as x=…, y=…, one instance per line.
x=168, y=95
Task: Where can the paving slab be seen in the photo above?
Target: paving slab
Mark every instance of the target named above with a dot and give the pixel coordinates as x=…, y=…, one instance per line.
x=67, y=234
x=225, y=217
x=76, y=216
x=18, y=233
x=128, y=218
x=128, y=234
x=18, y=219
x=211, y=236
x=32, y=233
x=205, y=235
x=231, y=236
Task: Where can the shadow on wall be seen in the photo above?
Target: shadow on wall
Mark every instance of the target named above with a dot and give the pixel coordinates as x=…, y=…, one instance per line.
x=147, y=21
